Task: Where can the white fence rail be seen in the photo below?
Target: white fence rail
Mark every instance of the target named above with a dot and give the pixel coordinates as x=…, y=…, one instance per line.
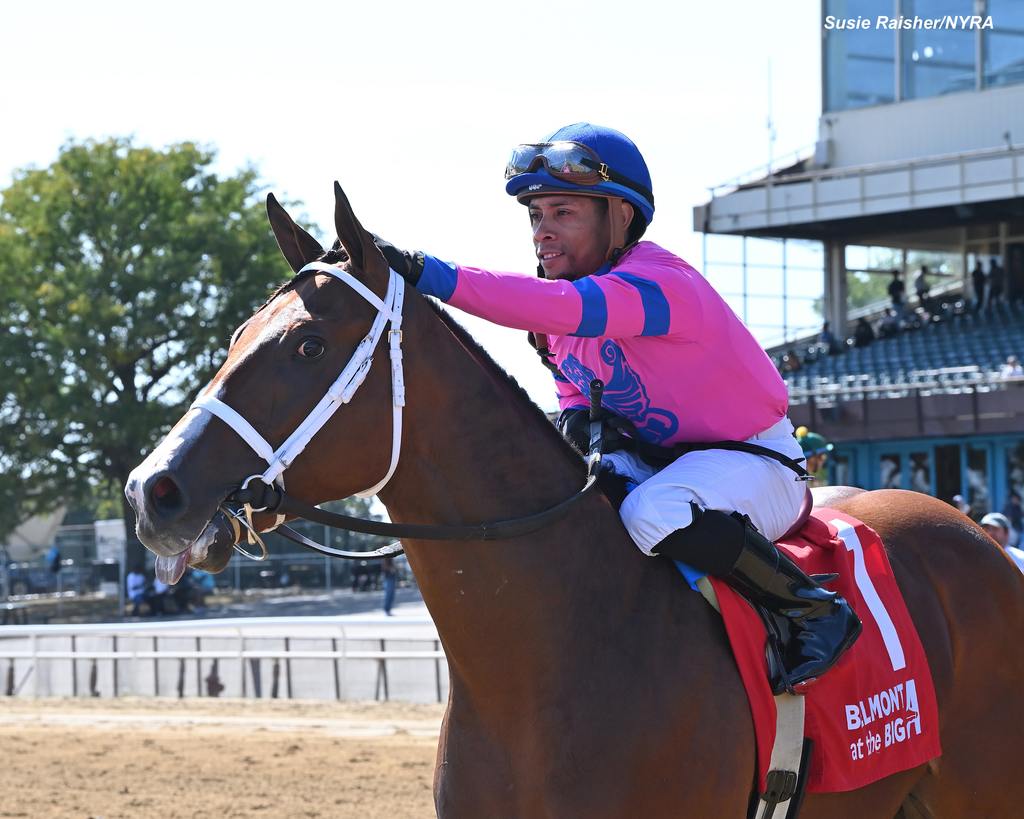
x=268, y=657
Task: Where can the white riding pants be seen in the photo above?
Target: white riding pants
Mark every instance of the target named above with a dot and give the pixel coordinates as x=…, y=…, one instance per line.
x=722, y=479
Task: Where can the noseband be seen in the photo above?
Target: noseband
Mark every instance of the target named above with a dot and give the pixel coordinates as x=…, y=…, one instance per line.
x=265, y=492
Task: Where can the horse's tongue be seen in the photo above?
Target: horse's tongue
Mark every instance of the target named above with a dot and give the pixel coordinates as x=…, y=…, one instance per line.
x=170, y=569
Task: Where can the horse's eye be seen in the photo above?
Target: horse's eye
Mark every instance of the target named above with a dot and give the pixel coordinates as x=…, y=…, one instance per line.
x=311, y=347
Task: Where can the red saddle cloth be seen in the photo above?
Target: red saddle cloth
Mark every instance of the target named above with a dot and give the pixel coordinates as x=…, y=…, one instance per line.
x=874, y=713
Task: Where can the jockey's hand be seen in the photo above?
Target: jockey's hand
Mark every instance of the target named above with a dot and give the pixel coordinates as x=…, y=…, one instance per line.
x=407, y=264
x=574, y=424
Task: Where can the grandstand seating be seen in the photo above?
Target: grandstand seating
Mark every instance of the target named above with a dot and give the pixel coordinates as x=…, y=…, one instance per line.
x=944, y=356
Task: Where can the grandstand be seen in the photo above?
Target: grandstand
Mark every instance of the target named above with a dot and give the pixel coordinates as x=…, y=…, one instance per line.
x=920, y=156
x=943, y=356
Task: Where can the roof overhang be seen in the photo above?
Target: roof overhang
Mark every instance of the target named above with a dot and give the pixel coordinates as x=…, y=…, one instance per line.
x=852, y=203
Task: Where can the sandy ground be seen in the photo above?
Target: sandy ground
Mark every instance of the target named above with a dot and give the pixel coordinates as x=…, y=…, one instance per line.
x=216, y=758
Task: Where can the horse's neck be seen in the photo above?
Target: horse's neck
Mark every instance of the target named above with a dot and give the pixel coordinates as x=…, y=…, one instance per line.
x=475, y=452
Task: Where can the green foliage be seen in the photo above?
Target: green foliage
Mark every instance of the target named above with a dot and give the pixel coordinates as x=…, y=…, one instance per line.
x=123, y=271
x=863, y=289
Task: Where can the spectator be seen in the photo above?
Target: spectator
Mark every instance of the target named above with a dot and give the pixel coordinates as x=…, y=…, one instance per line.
x=53, y=559
x=998, y=528
x=1011, y=368
x=390, y=574
x=996, y=281
x=182, y=592
x=962, y=505
x=979, y=283
x=816, y=450
x=1015, y=514
x=829, y=341
x=889, y=326
x=202, y=585
x=791, y=362
x=135, y=585
x=863, y=335
x=897, y=291
x=157, y=596
x=921, y=286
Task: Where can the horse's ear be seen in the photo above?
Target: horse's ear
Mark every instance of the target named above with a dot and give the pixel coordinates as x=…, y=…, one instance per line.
x=297, y=246
x=354, y=237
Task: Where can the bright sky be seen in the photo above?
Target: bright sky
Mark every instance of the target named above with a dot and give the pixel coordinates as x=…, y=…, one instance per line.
x=414, y=106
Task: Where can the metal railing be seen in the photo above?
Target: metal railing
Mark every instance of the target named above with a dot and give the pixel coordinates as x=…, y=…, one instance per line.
x=861, y=173
x=852, y=387
x=121, y=659
x=869, y=169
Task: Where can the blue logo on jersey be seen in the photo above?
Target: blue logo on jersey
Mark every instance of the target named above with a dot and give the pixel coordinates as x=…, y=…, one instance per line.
x=624, y=393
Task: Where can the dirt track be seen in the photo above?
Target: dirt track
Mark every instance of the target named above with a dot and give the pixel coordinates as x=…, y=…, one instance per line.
x=216, y=758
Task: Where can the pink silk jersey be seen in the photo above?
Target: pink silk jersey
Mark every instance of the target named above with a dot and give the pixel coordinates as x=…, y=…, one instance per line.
x=675, y=359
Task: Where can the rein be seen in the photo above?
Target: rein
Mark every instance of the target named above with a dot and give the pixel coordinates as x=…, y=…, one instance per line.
x=266, y=493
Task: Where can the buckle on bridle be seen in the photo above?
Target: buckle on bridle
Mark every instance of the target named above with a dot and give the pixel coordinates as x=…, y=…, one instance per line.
x=242, y=519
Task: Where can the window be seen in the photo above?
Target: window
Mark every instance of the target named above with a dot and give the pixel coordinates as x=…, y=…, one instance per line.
x=921, y=472
x=1003, y=45
x=939, y=60
x=859, y=63
x=842, y=472
x=890, y=472
x=977, y=482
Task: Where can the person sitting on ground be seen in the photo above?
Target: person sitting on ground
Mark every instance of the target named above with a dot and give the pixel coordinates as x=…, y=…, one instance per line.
x=203, y=584
x=679, y=367
x=998, y=528
x=158, y=596
x=135, y=587
x=863, y=335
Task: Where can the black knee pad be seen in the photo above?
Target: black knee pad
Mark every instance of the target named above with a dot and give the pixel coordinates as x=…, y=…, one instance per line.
x=711, y=544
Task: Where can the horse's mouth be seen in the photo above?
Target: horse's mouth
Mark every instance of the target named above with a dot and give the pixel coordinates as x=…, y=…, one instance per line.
x=210, y=552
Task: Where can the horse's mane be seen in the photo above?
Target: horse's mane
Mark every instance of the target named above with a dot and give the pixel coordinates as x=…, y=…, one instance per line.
x=336, y=255
x=484, y=358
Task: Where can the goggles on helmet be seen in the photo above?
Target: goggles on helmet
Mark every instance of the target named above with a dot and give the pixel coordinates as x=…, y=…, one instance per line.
x=569, y=162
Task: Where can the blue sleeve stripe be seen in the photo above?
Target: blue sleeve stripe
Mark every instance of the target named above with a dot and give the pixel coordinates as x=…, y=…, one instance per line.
x=655, y=305
x=438, y=278
x=594, y=319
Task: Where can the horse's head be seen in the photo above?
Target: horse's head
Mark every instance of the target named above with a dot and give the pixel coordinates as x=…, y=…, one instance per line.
x=280, y=364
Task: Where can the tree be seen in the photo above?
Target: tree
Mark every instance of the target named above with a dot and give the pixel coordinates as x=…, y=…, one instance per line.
x=123, y=271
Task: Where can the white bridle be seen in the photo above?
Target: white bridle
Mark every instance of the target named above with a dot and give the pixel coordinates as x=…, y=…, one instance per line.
x=340, y=392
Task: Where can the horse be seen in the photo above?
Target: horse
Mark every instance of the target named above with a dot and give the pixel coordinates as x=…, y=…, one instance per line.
x=585, y=679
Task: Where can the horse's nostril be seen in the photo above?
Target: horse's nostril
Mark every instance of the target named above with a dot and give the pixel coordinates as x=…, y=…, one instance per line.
x=163, y=488
x=165, y=495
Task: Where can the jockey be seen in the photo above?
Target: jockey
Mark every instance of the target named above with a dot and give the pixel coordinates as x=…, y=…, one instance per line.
x=677, y=363
x=816, y=450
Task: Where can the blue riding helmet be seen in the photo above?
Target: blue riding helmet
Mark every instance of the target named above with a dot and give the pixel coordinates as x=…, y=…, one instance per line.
x=615, y=149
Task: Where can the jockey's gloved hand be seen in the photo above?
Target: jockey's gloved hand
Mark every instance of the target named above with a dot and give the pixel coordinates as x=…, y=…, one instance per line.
x=407, y=264
x=574, y=424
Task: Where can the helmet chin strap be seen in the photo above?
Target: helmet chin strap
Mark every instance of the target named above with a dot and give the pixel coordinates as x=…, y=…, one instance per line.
x=616, y=230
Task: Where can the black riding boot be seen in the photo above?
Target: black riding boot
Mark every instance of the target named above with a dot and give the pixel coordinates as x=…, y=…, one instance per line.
x=811, y=626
